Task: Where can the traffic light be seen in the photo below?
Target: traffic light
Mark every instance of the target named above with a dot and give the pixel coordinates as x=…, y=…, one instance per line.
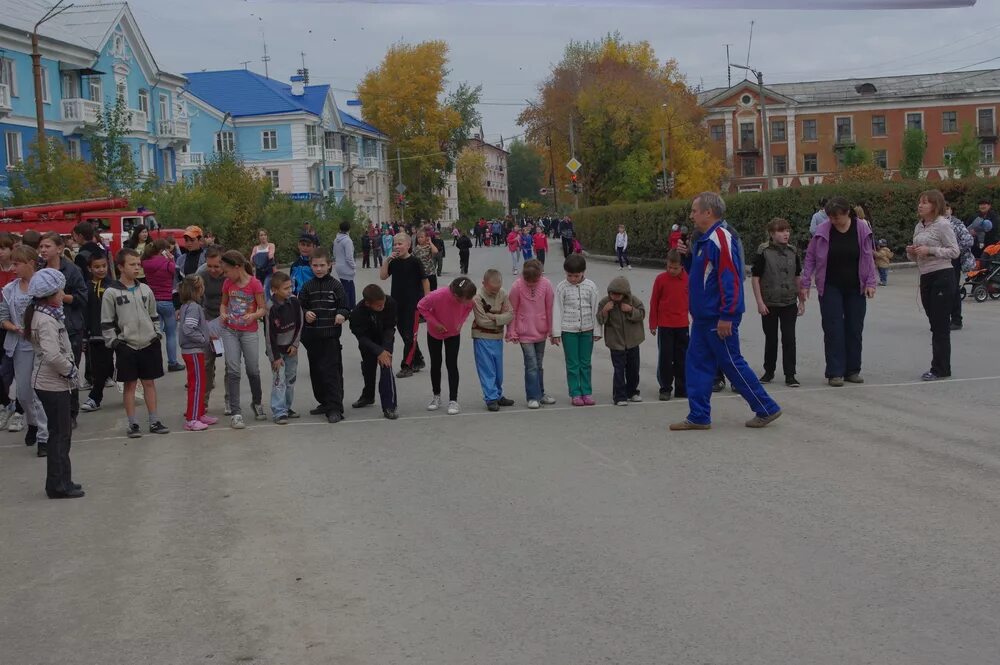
x=575, y=184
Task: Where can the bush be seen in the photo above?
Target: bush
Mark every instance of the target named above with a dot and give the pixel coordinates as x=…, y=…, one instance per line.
x=891, y=206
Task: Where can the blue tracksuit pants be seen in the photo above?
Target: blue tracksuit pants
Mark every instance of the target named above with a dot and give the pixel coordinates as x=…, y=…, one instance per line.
x=706, y=353
x=489, y=366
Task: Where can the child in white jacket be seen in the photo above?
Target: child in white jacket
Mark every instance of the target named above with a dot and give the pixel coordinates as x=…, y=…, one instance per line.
x=574, y=319
x=621, y=248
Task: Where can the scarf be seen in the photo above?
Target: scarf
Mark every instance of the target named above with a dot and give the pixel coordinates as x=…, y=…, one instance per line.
x=56, y=313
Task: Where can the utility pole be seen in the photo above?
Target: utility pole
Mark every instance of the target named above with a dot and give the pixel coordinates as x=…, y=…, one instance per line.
x=766, y=148
x=552, y=175
x=663, y=160
x=36, y=70
x=572, y=154
x=399, y=171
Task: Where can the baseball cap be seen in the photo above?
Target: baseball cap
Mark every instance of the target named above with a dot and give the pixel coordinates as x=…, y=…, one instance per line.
x=193, y=232
x=307, y=237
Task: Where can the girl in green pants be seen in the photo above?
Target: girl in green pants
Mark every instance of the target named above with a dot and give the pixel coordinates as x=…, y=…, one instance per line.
x=574, y=320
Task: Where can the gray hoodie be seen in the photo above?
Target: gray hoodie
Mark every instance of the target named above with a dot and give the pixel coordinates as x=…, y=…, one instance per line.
x=128, y=316
x=343, y=257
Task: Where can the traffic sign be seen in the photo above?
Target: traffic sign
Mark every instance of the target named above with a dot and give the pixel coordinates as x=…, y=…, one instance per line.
x=400, y=188
x=573, y=165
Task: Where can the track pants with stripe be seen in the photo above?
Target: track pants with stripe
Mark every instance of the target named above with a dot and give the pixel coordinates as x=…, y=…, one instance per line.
x=386, y=383
x=194, y=363
x=706, y=353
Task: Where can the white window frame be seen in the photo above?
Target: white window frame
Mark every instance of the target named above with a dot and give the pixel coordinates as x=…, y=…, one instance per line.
x=220, y=144
x=274, y=175
x=143, y=161
x=784, y=123
x=987, y=148
x=46, y=97
x=74, y=149
x=16, y=156
x=774, y=166
x=264, y=135
x=94, y=83
x=906, y=120
x=312, y=135
x=954, y=131
x=8, y=65
x=875, y=154
x=805, y=156
x=70, y=86
x=885, y=126
x=836, y=128
x=163, y=101
x=143, y=97
x=118, y=44
x=993, y=112
x=121, y=89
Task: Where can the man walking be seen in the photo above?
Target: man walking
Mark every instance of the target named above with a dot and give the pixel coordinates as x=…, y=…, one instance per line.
x=716, y=304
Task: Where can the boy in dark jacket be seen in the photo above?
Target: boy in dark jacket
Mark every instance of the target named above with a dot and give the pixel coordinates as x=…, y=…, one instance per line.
x=776, y=273
x=622, y=315
x=100, y=359
x=324, y=302
x=283, y=323
x=373, y=322
x=464, y=244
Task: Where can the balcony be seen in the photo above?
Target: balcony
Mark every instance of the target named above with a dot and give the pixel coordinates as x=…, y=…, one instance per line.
x=370, y=162
x=175, y=129
x=747, y=146
x=5, y=106
x=81, y=111
x=314, y=152
x=844, y=140
x=334, y=156
x=138, y=121
x=190, y=160
x=987, y=132
x=353, y=159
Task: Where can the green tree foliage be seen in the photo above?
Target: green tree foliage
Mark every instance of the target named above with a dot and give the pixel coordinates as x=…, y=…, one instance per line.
x=634, y=177
x=856, y=155
x=58, y=178
x=525, y=171
x=966, y=152
x=914, y=147
x=110, y=153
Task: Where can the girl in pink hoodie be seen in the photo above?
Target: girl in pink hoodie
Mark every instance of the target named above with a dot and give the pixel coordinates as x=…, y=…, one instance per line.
x=531, y=299
x=445, y=311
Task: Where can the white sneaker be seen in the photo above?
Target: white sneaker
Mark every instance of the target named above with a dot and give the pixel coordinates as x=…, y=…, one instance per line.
x=226, y=411
x=90, y=405
x=109, y=383
x=237, y=422
x=453, y=409
x=4, y=417
x=620, y=268
x=533, y=404
x=16, y=423
x=546, y=399
x=635, y=398
x=621, y=402
x=435, y=403
x=630, y=267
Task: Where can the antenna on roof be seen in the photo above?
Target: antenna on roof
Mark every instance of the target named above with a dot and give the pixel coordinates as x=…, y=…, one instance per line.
x=246, y=64
x=266, y=58
x=746, y=74
x=304, y=72
x=729, y=70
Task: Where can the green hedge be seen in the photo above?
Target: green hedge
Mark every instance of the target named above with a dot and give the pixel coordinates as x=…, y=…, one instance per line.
x=891, y=207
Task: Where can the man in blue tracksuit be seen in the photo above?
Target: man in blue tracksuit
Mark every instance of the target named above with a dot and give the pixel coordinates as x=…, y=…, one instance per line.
x=715, y=298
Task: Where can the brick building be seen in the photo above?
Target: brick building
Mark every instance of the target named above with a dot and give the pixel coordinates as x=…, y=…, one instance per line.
x=812, y=124
x=495, y=180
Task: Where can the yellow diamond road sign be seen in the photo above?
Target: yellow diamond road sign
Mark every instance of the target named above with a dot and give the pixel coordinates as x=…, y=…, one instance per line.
x=573, y=165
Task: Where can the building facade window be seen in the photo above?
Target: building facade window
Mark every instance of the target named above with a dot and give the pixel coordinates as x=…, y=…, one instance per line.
x=70, y=86
x=986, y=153
x=780, y=164
x=144, y=102
x=778, y=130
x=45, y=86
x=809, y=163
x=121, y=90
x=163, y=101
x=15, y=154
x=914, y=120
x=269, y=139
x=845, y=130
x=312, y=138
x=881, y=158
x=749, y=167
x=808, y=130
x=717, y=132
x=8, y=75
x=95, y=93
x=747, y=135
x=985, y=119
x=73, y=149
x=225, y=142
x=949, y=122
x=878, y=126
x=948, y=157
x=274, y=177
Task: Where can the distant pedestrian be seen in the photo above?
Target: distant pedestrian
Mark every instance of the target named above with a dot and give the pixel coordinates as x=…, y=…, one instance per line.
x=567, y=234
x=962, y=264
x=621, y=248
x=540, y=242
x=343, y=261
x=262, y=258
x=883, y=259
x=514, y=248
x=464, y=244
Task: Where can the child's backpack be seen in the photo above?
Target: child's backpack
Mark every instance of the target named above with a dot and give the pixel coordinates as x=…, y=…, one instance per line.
x=577, y=247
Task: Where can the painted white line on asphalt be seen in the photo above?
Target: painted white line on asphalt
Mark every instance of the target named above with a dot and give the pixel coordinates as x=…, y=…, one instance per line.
x=548, y=409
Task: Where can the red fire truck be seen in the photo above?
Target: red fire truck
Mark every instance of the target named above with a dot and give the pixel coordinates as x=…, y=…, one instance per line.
x=112, y=219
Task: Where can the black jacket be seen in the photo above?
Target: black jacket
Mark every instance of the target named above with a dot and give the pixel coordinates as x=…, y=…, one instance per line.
x=76, y=287
x=464, y=244
x=82, y=259
x=325, y=297
x=375, y=330
x=94, y=295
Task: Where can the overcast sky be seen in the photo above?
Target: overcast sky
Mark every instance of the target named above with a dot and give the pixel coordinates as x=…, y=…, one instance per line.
x=510, y=50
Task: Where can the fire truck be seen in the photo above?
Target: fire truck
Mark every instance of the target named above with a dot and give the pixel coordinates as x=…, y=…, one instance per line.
x=112, y=219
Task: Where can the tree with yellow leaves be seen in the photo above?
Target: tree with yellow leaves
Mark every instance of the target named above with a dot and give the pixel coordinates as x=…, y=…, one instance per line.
x=405, y=97
x=626, y=108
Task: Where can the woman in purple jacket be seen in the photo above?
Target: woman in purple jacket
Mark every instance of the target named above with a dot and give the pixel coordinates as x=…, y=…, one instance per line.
x=841, y=258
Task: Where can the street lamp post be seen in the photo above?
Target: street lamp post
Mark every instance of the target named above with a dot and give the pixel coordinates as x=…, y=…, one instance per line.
x=763, y=121
x=36, y=70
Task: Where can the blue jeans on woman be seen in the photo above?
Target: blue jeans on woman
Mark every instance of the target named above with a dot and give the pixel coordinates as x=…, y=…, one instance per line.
x=168, y=319
x=843, y=314
x=534, y=373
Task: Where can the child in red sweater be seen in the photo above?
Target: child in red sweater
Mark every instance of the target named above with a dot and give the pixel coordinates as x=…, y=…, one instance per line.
x=668, y=321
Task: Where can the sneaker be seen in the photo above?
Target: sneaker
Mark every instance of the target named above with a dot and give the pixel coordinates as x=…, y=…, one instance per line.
x=158, y=428
x=956, y=326
x=175, y=367
x=547, y=400
x=258, y=412
x=836, y=381
x=930, y=376
x=362, y=403
x=453, y=408
x=493, y=406
x=90, y=405
x=226, y=411
x=854, y=378
x=195, y=426
x=435, y=403
x=208, y=420
x=503, y=401
x=16, y=423
x=133, y=431
x=665, y=396
x=767, y=377
x=390, y=414
x=686, y=425
x=293, y=414
x=718, y=386
x=86, y=385
x=635, y=398
x=109, y=383
x=621, y=402
x=588, y=400
x=43, y=449
x=630, y=267
x=404, y=373
x=333, y=417
x=320, y=410
x=533, y=404
x=577, y=401
x=620, y=268
x=4, y=417
x=792, y=382
x=763, y=421
x=236, y=422
x=281, y=420
x=419, y=365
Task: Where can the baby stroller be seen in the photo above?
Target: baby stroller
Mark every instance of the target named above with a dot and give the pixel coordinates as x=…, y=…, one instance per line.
x=983, y=281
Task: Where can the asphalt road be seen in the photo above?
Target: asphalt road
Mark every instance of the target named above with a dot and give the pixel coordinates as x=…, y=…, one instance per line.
x=862, y=527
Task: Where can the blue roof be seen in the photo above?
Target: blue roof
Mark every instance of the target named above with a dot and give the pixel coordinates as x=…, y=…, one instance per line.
x=351, y=121
x=244, y=93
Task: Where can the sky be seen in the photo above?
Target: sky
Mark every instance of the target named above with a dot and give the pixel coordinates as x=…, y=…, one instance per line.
x=511, y=50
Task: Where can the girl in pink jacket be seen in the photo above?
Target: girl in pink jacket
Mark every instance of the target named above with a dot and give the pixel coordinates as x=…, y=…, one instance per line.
x=531, y=299
x=514, y=247
x=446, y=311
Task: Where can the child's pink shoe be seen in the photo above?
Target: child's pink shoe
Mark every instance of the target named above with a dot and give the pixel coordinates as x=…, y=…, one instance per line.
x=195, y=426
x=208, y=420
x=588, y=400
x=578, y=401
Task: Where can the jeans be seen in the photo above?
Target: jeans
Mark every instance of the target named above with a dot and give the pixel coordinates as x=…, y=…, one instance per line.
x=24, y=365
x=283, y=386
x=165, y=310
x=622, y=254
x=540, y=255
x=516, y=259
x=672, y=346
x=266, y=282
x=843, y=314
x=194, y=363
x=59, y=471
x=349, y=292
x=578, y=348
x=386, y=383
x=326, y=373
x=626, y=376
x=534, y=372
x=439, y=263
x=785, y=318
x=463, y=261
x=567, y=245
x=883, y=276
x=489, y=367
x=937, y=291
x=241, y=345
x=450, y=346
